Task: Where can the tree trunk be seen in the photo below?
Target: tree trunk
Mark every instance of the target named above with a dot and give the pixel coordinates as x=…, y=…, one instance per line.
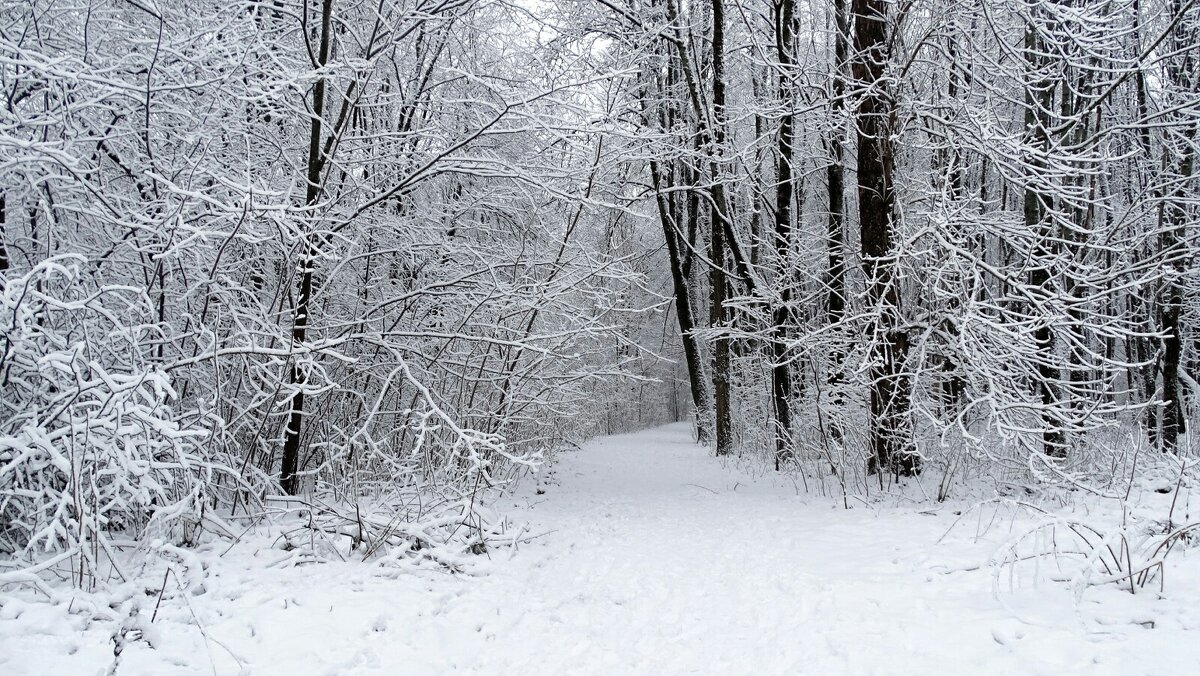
x=835, y=178
x=3, y=235
x=315, y=163
x=835, y=174
x=683, y=304
x=781, y=315
x=1142, y=347
x=720, y=225
x=890, y=434
x=1175, y=218
x=1039, y=94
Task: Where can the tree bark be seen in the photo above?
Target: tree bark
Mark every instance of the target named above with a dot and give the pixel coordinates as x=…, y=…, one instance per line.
x=1039, y=95
x=1175, y=218
x=835, y=175
x=3, y=235
x=720, y=225
x=288, y=479
x=781, y=315
x=891, y=437
x=683, y=304
x=835, y=178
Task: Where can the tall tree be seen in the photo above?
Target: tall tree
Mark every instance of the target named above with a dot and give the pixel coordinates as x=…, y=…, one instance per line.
x=1039, y=104
x=889, y=383
x=314, y=163
x=1177, y=209
x=782, y=315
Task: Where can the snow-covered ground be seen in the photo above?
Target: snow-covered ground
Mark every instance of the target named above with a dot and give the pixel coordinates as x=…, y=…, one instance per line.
x=650, y=557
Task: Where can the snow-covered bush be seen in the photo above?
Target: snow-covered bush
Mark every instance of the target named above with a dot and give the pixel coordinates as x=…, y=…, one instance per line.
x=91, y=455
x=1058, y=549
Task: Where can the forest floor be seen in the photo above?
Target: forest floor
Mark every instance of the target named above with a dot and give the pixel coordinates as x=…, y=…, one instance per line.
x=650, y=557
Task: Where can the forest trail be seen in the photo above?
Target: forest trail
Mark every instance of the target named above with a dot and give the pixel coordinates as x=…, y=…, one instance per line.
x=670, y=561
x=650, y=557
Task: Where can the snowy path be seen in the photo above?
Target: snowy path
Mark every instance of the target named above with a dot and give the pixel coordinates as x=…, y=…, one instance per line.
x=656, y=560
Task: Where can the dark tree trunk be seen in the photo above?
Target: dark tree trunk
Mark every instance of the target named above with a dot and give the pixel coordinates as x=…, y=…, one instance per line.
x=1143, y=349
x=952, y=384
x=720, y=226
x=3, y=235
x=722, y=241
x=781, y=315
x=1039, y=94
x=835, y=174
x=835, y=178
x=1182, y=73
x=291, y=441
x=891, y=437
x=1174, y=420
x=683, y=304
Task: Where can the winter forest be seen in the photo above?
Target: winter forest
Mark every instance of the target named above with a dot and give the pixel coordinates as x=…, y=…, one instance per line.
x=599, y=336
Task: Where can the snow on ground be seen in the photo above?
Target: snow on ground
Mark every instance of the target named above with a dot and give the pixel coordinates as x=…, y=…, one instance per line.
x=651, y=558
